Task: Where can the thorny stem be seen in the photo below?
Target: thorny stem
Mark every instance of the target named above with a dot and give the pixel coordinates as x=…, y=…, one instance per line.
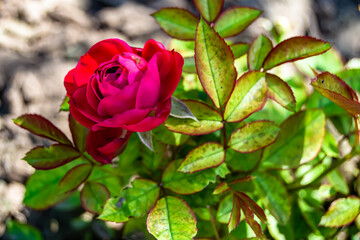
x=213, y=224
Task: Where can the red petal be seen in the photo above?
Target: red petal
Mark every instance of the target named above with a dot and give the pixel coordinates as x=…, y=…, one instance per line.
x=69, y=83
x=150, y=48
x=80, y=103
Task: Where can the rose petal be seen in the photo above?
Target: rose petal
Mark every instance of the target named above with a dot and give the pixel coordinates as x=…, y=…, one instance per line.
x=134, y=73
x=125, y=100
x=148, y=93
x=80, y=117
x=69, y=83
x=109, y=88
x=150, y=48
x=92, y=95
x=105, y=50
x=106, y=144
x=129, y=117
x=149, y=123
x=171, y=80
x=85, y=68
x=80, y=103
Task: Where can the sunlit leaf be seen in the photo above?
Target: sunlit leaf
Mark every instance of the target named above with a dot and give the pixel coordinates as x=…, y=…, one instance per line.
x=171, y=218
x=74, y=177
x=65, y=104
x=258, y=51
x=51, y=157
x=42, y=127
x=249, y=217
x=341, y=212
x=298, y=141
x=214, y=63
x=186, y=183
x=166, y=136
x=274, y=196
x=180, y=110
x=222, y=187
x=280, y=92
x=239, y=49
x=178, y=23
x=209, y=9
x=134, y=201
x=224, y=210
x=209, y=120
x=338, y=91
x=79, y=133
x=235, y=214
x=93, y=196
x=235, y=20
x=293, y=49
x=249, y=96
x=207, y=155
x=253, y=136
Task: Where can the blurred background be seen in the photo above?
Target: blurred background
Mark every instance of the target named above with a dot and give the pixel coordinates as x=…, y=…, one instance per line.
x=41, y=40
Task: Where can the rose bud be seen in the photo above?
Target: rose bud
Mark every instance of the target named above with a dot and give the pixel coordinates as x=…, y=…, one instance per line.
x=115, y=90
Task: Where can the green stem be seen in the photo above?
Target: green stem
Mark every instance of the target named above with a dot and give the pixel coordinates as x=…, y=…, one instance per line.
x=213, y=224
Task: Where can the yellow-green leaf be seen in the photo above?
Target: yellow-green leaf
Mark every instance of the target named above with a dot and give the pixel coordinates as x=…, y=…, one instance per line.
x=280, y=92
x=249, y=96
x=214, y=63
x=172, y=218
x=209, y=9
x=258, y=51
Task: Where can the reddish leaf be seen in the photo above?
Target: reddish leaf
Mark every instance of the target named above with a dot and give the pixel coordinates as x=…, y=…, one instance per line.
x=74, y=177
x=293, y=49
x=222, y=187
x=79, y=133
x=335, y=89
x=242, y=180
x=258, y=51
x=42, y=127
x=47, y=158
x=235, y=214
x=249, y=217
x=253, y=206
x=209, y=9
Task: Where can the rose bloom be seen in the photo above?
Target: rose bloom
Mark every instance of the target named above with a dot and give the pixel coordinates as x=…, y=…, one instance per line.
x=116, y=90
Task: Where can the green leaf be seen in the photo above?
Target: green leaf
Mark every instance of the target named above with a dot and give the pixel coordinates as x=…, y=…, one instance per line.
x=178, y=23
x=79, y=133
x=207, y=155
x=239, y=49
x=209, y=120
x=42, y=188
x=180, y=110
x=20, y=231
x=209, y=9
x=189, y=65
x=298, y=142
x=93, y=196
x=42, y=127
x=253, y=136
x=166, y=136
x=274, y=196
x=280, y=92
x=54, y=156
x=225, y=208
x=146, y=139
x=249, y=217
x=242, y=161
x=222, y=187
x=341, y=212
x=171, y=218
x=293, y=49
x=338, y=182
x=249, y=96
x=235, y=20
x=214, y=63
x=74, y=177
x=258, y=51
x=335, y=89
x=186, y=183
x=65, y=104
x=235, y=216
x=135, y=201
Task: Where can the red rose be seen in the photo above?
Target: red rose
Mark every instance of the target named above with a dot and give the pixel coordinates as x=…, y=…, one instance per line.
x=115, y=90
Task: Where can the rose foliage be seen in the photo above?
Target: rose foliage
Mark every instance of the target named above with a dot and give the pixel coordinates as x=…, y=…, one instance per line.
x=229, y=143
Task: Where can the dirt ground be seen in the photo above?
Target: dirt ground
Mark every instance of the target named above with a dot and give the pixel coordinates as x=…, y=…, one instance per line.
x=40, y=40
